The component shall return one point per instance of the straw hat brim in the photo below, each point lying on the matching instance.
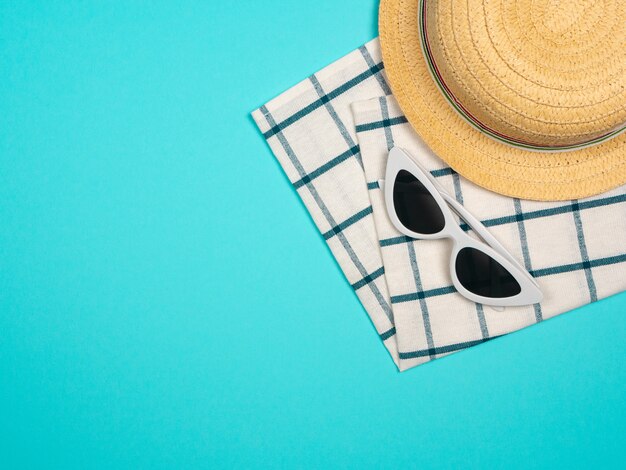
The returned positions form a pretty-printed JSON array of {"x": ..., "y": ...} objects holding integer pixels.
[{"x": 483, "y": 160}]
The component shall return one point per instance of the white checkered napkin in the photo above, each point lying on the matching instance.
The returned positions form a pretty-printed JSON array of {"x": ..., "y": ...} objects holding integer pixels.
[
  {"x": 576, "y": 249},
  {"x": 310, "y": 130}
]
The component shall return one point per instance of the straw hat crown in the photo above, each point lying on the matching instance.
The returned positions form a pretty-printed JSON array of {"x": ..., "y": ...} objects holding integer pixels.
[
  {"x": 526, "y": 98},
  {"x": 544, "y": 72}
]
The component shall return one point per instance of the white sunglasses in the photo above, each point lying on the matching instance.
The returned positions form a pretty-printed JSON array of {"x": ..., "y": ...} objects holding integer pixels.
[{"x": 483, "y": 272}]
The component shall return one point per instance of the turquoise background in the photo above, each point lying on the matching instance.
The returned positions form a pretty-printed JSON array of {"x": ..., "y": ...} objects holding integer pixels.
[{"x": 166, "y": 301}]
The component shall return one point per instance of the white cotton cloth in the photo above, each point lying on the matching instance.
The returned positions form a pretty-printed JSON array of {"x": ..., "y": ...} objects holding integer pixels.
[
  {"x": 331, "y": 134},
  {"x": 576, "y": 250}
]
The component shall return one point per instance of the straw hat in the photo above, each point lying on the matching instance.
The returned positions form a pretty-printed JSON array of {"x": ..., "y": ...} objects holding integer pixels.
[{"x": 523, "y": 97}]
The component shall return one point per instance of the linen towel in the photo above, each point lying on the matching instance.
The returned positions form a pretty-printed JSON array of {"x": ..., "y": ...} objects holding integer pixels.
[{"x": 575, "y": 249}]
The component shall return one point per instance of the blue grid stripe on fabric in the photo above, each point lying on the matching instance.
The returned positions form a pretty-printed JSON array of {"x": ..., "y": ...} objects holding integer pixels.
[
  {"x": 386, "y": 123},
  {"x": 326, "y": 166},
  {"x": 578, "y": 266},
  {"x": 480, "y": 311},
  {"x": 338, "y": 122},
  {"x": 423, "y": 294},
  {"x": 276, "y": 128},
  {"x": 509, "y": 219},
  {"x": 458, "y": 194},
  {"x": 423, "y": 305},
  {"x": 443, "y": 172},
  {"x": 580, "y": 234},
  {"x": 395, "y": 241},
  {"x": 521, "y": 228},
  {"x": 536, "y": 273},
  {"x": 369, "y": 278},
  {"x": 388, "y": 334},
  {"x": 369, "y": 60},
  {"x": 382, "y": 101},
  {"x": 329, "y": 218},
  {"x": 444, "y": 349},
  {"x": 373, "y": 185},
  {"x": 347, "y": 223}
]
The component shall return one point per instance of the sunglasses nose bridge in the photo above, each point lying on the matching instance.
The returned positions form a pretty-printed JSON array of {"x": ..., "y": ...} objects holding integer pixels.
[{"x": 452, "y": 229}]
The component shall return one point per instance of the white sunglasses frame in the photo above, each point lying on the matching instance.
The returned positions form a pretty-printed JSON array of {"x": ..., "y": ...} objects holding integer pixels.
[{"x": 530, "y": 293}]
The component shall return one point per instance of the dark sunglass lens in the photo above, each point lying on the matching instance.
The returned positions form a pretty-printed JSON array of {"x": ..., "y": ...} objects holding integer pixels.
[
  {"x": 482, "y": 275},
  {"x": 416, "y": 208}
]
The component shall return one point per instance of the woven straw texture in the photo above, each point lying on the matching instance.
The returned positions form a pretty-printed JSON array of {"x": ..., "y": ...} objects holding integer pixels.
[{"x": 546, "y": 74}]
